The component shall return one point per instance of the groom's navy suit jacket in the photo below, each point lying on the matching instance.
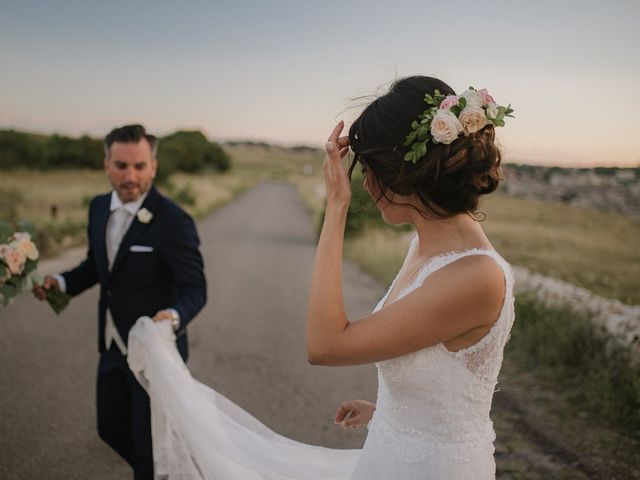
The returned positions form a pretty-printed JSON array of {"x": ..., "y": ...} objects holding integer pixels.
[{"x": 164, "y": 270}]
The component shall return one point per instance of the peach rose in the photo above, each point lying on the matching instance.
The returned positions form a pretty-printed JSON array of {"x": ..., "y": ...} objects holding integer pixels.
[
  {"x": 445, "y": 126},
  {"x": 14, "y": 259},
  {"x": 472, "y": 119},
  {"x": 23, "y": 243}
]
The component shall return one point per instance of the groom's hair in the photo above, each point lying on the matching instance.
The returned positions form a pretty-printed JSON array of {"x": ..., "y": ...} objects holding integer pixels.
[{"x": 129, "y": 134}]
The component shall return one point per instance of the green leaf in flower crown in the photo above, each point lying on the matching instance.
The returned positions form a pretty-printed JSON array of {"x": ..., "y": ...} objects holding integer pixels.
[
  {"x": 414, "y": 124},
  {"x": 410, "y": 138},
  {"x": 423, "y": 150},
  {"x": 429, "y": 99},
  {"x": 422, "y": 132},
  {"x": 462, "y": 102},
  {"x": 409, "y": 157}
]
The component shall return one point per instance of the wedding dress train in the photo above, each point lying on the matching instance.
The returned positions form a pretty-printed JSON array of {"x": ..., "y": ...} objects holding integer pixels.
[{"x": 431, "y": 420}]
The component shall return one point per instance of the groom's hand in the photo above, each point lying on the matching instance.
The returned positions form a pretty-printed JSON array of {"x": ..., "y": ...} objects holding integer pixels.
[
  {"x": 39, "y": 291},
  {"x": 168, "y": 314},
  {"x": 162, "y": 315}
]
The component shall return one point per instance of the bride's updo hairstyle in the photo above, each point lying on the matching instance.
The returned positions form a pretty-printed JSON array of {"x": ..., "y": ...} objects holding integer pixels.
[{"x": 449, "y": 179}]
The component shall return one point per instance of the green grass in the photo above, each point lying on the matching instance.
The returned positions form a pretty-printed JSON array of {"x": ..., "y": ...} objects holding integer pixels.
[{"x": 563, "y": 347}]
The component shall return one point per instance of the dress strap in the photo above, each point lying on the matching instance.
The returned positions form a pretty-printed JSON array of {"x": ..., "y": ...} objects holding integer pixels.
[{"x": 442, "y": 260}]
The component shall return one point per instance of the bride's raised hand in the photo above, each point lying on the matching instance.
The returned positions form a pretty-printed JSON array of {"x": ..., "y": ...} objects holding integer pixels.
[
  {"x": 354, "y": 413},
  {"x": 336, "y": 179}
]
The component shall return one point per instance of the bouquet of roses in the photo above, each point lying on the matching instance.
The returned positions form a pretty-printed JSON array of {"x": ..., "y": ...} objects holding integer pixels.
[{"x": 18, "y": 268}]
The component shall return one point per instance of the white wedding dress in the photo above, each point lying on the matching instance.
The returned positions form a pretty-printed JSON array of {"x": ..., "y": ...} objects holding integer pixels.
[{"x": 431, "y": 421}]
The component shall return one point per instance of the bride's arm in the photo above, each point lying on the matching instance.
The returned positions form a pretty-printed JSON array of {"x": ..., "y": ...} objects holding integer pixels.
[
  {"x": 326, "y": 318},
  {"x": 463, "y": 297}
]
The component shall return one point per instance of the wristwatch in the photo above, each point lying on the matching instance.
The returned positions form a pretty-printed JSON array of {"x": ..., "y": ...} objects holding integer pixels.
[{"x": 175, "y": 319}]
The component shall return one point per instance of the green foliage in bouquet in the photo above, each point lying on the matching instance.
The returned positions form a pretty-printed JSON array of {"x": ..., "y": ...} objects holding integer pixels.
[{"x": 18, "y": 266}]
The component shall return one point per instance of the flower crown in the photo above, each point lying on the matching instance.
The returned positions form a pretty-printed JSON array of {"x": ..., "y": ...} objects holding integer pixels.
[{"x": 449, "y": 116}]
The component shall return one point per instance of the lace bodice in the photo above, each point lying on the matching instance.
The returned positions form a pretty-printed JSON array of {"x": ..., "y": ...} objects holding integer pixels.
[{"x": 437, "y": 400}]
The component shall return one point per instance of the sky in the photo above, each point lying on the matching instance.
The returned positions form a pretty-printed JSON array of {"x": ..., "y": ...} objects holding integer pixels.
[{"x": 286, "y": 71}]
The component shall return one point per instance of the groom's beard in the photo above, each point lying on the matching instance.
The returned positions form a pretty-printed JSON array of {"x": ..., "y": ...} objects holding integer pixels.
[{"x": 130, "y": 192}]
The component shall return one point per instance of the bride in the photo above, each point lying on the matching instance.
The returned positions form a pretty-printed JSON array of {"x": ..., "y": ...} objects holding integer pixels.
[{"x": 437, "y": 336}]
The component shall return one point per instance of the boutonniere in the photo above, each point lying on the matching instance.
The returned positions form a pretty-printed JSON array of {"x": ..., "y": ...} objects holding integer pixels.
[{"x": 144, "y": 215}]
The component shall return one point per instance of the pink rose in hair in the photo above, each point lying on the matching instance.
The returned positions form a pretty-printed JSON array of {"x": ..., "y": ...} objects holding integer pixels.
[
  {"x": 448, "y": 102},
  {"x": 486, "y": 98}
]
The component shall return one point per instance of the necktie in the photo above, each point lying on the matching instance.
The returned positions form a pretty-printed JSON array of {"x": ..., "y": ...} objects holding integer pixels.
[{"x": 118, "y": 223}]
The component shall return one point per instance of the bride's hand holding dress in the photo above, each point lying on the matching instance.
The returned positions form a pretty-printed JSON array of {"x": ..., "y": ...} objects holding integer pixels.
[{"x": 355, "y": 413}]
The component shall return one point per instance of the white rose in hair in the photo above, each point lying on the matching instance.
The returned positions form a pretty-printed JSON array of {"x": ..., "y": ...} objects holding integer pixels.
[
  {"x": 492, "y": 111},
  {"x": 445, "y": 127},
  {"x": 472, "y": 119},
  {"x": 473, "y": 98}
]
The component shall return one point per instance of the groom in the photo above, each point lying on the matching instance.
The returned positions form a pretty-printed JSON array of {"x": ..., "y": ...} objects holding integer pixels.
[{"x": 143, "y": 250}]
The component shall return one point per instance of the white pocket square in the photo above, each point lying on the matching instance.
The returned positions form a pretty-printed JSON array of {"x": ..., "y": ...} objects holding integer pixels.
[{"x": 140, "y": 248}]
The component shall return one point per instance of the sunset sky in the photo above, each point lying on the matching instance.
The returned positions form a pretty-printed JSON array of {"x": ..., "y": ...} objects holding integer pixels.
[{"x": 286, "y": 71}]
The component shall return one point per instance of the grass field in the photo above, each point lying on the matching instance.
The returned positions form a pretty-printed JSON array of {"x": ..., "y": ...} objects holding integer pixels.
[
  {"x": 590, "y": 248},
  {"x": 593, "y": 249},
  {"x": 29, "y": 195}
]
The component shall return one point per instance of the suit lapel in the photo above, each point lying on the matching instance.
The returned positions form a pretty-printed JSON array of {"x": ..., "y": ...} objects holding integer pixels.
[
  {"x": 100, "y": 241},
  {"x": 135, "y": 229}
]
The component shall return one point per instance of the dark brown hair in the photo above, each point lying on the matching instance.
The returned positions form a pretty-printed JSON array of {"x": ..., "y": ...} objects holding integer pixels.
[
  {"x": 129, "y": 134},
  {"x": 449, "y": 179}
]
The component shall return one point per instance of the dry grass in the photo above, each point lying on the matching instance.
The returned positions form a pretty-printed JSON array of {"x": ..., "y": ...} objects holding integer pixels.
[
  {"x": 272, "y": 163},
  {"x": 29, "y": 195},
  {"x": 208, "y": 190},
  {"x": 379, "y": 251},
  {"x": 590, "y": 248}
]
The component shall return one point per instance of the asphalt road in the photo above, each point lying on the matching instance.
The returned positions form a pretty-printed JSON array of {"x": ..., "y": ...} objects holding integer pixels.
[{"x": 247, "y": 343}]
